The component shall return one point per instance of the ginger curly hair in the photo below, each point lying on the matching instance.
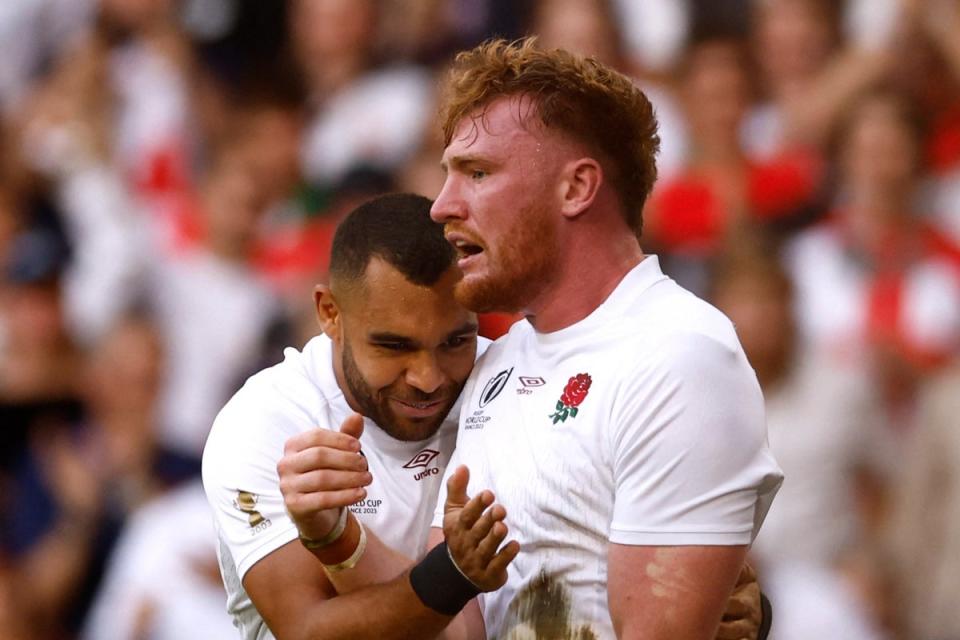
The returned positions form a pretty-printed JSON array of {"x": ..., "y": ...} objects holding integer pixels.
[{"x": 578, "y": 96}]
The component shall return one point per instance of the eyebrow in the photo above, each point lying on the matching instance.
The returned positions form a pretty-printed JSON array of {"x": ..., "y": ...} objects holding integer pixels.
[
  {"x": 461, "y": 160},
  {"x": 386, "y": 336}
]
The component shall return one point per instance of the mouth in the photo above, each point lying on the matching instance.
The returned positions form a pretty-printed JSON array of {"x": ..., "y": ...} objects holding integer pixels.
[
  {"x": 467, "y": 250},
  {"x": 411, "y": 409}
]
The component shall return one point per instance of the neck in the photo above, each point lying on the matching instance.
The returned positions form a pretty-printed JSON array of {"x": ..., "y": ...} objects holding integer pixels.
[{"x": 593, "y": 266}]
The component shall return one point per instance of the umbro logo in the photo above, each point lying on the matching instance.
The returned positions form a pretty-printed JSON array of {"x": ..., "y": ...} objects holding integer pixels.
[
  {"x": 529, "y": 383},
  {"x": 422, "y": 459}
]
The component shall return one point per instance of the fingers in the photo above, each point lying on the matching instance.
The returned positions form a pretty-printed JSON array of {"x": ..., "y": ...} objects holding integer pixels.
[
  {"x": 747, "y": 574},
  {"x": 323, "y": 438},
  {"x": 457, "y": 488},
  {"x": 353, "y": 426},
  {"x": 328, "y": 480},
  {"x": 736, "y": 630},
  {"x": 321, "y": 458},
  {"x": 470, "y": 514},
  {"x": 483, "y": 525},
  {"x": 490, "y": 542},
  {"x": 498, "y": 565},
  {"x": 474, "y": 535}
]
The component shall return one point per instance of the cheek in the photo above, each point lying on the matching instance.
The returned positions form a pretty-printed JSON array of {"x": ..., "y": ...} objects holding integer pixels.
[
  {"x": 457, "y": 366},
  {"x": 379, "y": 372}
]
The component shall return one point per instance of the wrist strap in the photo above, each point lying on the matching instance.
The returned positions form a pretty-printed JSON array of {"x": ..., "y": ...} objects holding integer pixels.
[
  {"x": 439, "y": 583},
  {"x": 331, "y": 537},
  {"x": 354, "y": 558}
]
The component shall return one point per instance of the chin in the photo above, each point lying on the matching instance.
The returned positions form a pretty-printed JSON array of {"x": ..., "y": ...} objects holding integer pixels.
[
  {"x": 485, "y": 295},
  {"x": 408, "y": 430}
]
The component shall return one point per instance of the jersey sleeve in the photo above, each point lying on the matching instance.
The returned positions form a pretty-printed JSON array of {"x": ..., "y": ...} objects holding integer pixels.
[
  {"x": 241, "y": 480},
  {"x": 689, "y": 446}
]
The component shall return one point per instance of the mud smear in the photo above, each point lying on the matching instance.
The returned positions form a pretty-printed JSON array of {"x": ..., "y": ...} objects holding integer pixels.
[{"x": 542, "y": 612}]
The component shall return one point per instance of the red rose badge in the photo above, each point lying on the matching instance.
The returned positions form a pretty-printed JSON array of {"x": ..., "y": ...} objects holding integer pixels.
[{"x": 573, "y": 394}]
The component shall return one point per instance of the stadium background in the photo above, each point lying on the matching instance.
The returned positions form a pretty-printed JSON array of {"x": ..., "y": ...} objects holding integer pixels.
[{"x": 171, "y": 172}]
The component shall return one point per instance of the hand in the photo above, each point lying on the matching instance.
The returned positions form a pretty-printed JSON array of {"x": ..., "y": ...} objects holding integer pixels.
[
  {"x": 322, "y": 471},
  {"x": 474, "y": 529},
  {"x": 742, "y": 617}
]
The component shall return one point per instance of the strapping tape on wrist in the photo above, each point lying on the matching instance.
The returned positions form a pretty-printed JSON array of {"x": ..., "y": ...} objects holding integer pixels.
[{"x": 440, "y": 584}]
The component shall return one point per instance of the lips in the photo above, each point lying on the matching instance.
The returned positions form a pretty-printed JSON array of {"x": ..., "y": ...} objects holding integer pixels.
[
  {"x": 468, "y": 248},
  {"x": 414, "y": 409}
]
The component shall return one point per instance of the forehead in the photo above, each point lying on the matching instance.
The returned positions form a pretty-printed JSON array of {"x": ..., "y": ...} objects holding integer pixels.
[
  {"x": 389, "y": 303},
  {"x": 502, "y": 127}
]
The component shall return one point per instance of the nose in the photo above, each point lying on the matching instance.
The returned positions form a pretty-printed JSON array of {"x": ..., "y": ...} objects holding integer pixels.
[
  {"x": 424, "y": 373},
  {"x": 448, "y": 205}
]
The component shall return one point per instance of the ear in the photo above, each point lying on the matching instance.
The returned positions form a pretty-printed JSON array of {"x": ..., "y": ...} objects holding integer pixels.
[
  {"x": 579, "y": 184},
  {"x": 328, "y": 312}
]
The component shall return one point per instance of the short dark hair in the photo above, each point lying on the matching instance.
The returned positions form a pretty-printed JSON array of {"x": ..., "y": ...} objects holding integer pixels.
[{"x": 397, "y": 229}]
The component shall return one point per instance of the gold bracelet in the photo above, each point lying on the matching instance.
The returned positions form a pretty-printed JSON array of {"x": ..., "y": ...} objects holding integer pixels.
[
  {"x": 352, "y": 561},
  {"x": 331, "y": 537}
]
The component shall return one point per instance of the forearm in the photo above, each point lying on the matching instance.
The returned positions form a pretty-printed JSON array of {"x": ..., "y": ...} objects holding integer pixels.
[
  {"x": 383, "y": 611},
  {"x": 378, "y": 565},
  {"x": 811, "y": 116},
  {"x": 670, "y": 593}
]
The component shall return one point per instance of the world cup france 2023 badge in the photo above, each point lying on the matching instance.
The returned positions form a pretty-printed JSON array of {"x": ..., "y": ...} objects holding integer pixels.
[{"x": 573, "y": 394}]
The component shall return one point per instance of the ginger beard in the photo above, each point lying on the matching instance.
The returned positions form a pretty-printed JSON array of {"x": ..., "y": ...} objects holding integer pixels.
[
  {"x": 517, "y": 269},
  {"x": 375, "y": 403}
]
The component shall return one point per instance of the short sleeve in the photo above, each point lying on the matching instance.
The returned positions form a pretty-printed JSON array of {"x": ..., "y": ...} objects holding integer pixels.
[
  {"x": 241, "y": 480},
  {"x": 689, "y": 445}
]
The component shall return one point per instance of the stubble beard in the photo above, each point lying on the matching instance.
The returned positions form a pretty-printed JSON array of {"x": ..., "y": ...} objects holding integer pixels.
[
  {"x": 375, "y": 407},
  {"x": 521, "y": 268}
]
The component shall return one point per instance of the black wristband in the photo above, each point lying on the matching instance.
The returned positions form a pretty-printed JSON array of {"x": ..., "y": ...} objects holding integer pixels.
[
  {"x": 766, "y": 617},
  {"x": 439, "y": 584}
]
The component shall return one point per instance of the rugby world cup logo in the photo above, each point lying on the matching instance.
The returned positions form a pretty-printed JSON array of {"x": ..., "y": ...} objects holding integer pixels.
[
  {"x": 573, "y": 394},
  {"x": 494, "y": 386}
]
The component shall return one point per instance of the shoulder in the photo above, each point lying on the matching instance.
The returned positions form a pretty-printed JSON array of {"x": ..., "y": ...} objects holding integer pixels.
[
  {"x": 273, "y": 405},
  {"x": 667, "y": 317}
]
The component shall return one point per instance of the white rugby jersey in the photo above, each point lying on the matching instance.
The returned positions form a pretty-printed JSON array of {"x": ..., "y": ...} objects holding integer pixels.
[
  {"x": 242, "y": 485},
  {"x": 642, "y": 424}
]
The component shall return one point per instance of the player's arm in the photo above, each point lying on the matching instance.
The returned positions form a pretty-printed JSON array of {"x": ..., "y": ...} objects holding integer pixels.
[
  {"x": 693, "y": 476},
  {"x": 290, "y": 590},
  {"x": 321, "y": 471},
  {"x": 670, "y": 593}
]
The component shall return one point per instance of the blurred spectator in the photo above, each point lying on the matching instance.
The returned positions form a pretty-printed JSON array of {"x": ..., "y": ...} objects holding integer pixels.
[
  {"x": 655, "y": 32},
  {"x": 877, "y": 286},
  {"x": 593, "y": 28},
  {"x": 213, "y": 309},
  {"x": 362, "y": 114},
  {"x": 926, "y": 517},
  {"x": 830, "y": 442},
  {"x": 163, "y": 582},
  {"x": 809, "y": 74},
  {"x": 80, "y": 472},
  {"x": 928, "y": 69},
  {"x": 38, "y": 362},
  {"x": 721, "y": 189},
  {"x": 34, "y": 32}
]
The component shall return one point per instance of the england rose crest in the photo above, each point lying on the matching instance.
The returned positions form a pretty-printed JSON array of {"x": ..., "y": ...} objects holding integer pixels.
[{"x": 573, "y": 394}]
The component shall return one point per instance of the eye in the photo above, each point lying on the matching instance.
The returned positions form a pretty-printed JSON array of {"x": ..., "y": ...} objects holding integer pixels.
[
  {"x": 478, "y": 174},
  {"x": 459, "y": 341},
  {"x": 393, "y": 346}
]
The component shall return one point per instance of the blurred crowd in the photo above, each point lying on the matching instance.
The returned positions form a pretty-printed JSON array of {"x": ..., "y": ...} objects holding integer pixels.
[{"x": 171, "y": 173}]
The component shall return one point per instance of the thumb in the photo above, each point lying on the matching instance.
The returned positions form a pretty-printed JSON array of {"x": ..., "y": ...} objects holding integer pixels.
[
  {"x": 457, "y": 487},
  {"x": 353, "y": 425}
]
